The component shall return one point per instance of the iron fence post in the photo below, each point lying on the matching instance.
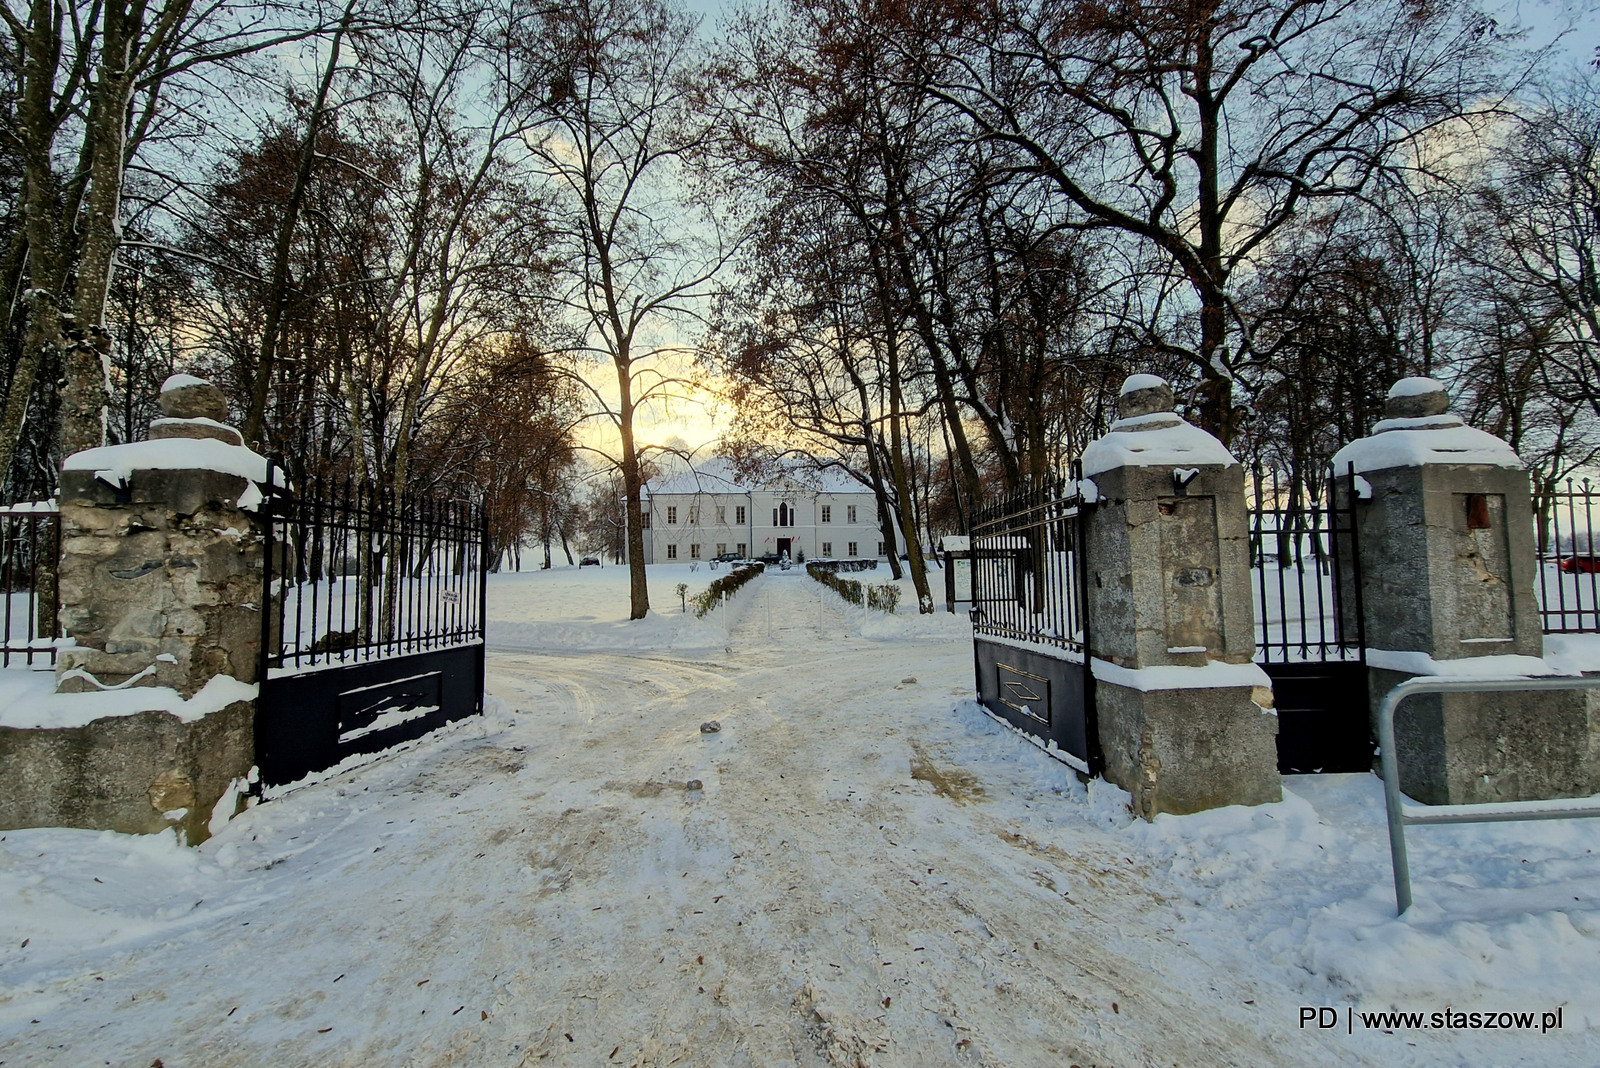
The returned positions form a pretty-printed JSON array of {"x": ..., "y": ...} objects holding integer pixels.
[{"x": 483, "y": 600}]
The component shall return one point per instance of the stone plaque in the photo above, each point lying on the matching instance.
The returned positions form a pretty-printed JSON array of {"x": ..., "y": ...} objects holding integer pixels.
[
  {"x": 1482, "y": 567},
  {"x": 1188, "y": 528}
]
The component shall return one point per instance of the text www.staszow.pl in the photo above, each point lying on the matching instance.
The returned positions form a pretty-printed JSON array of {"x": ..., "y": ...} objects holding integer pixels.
[{"x": 1324, "y": 1017}]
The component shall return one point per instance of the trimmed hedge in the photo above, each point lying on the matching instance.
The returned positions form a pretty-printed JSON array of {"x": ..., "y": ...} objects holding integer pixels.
[
  {"x": 883, "y": 598},
  {"x": 706, "y": 600},
  {"x": 863, "y": 563}
]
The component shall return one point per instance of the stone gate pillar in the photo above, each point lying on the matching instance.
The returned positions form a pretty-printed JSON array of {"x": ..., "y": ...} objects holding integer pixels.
[
  {"x": 1448, "y": 567},
  {"x": 161, "y": 553},
  {"x": 152, "y": 722},
  {"x": 1185, "y": 716}
]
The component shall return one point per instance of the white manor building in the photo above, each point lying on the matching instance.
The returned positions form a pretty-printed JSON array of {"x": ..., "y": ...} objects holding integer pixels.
[{"x": 706, "y": 512}]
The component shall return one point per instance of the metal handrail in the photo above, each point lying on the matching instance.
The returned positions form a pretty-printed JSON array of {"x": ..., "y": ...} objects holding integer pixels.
[{"x": 1485, "y": 812}]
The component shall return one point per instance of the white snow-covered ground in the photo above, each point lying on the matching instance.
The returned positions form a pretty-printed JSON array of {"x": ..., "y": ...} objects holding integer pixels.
[{"x": 871, "y": 872}]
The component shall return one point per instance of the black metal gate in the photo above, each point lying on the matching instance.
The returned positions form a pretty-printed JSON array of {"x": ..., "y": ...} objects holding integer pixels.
[
  {"x": 1030, "y": 631},
  {"x": 374, "y": 631},
  {"x": 1306, "y": 578},
  {"x": 30, "y": 553}
]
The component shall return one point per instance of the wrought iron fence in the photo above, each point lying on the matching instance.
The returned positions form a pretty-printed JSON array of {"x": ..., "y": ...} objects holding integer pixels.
[
  {"x": 1305, "y": 568},
  {"x": 1569, "y": 561},
  {"x": 1028, "y": 566},
  {"x": 30, "y": 541},
  {"x": 356, "y": 574}
]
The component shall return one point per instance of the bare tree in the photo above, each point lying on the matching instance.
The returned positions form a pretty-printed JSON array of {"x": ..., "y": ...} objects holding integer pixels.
[
  {"x": 1531, "y": 252},
  {"x": 1203, "y": 130},
  {"x": 615, "y": 121},
  {"x": 91, "y": 85}
]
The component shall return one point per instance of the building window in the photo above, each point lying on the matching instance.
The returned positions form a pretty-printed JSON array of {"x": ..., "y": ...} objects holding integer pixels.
[
  {"x": 672, "y": 552},
  {"x": 852, "y": 548},
  {"x": 694, "y": 551},
  {"x": 783, "y": 515},
  {"x": 827, "y": 513},
  {"x": 722, "y": 548},
  {"x": 827, "y": 548},
  {"x": 644, "y": 520},
  {"x": 738, "y": 514},
  {"x": 850, "y": 516},
  {"x": 741, "y": 544},
  {"x": 880, "y": 548},
  {"x": 694, "y": 516},
  {"x": 672, "y": 513},
  {"x": 775, "y": 518},
  {"x": 722, "y": 516}
]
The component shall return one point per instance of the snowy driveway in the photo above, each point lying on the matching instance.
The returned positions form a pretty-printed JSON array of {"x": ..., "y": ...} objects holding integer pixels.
[{"x": 872, "y": 873}]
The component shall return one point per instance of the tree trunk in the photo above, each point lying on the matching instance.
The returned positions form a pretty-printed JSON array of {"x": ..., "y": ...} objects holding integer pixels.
[
  {"x": 902, "y": 487},
  {"x": 632, "y": 490}
]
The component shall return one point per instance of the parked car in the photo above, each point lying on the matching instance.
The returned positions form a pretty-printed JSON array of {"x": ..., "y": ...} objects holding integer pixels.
[
  {"x": 1585, "y": 564},
  {"x": 589, "y": 561},
  {"x": 727, "y": 558}
]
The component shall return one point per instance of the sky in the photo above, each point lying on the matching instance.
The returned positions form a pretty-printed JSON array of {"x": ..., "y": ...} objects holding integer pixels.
[{"x": 1572, "y": 25}]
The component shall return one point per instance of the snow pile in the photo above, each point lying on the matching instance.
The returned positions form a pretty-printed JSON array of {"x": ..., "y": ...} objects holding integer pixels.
[
  {"x": 1155, "y": 440},
  {"x": 1497, "y": 666},
  {"x": 28, "y": 700},
  {"x": 1572, "y": 654},
  {"x": 115, "y": 464},
  {"x": 1430, "y": 439},
  {"x": 1300, "y": 895},
  {"x": 1505, "y": 916},
  {"x": 1214, "y": 674}
]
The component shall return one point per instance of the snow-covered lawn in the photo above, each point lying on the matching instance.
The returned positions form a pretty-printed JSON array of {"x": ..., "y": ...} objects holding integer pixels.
[{"x": 870, "y": 871}]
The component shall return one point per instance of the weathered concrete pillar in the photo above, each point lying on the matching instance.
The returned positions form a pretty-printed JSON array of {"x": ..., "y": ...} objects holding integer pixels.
[
  {"x": 1186, "y": 720},
  {"x": 152, "y": 722},
  {"x": 1448, "y": 567}
]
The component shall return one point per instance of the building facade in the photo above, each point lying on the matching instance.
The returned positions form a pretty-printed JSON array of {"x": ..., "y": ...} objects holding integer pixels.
[{"x": 707, "y": 512}]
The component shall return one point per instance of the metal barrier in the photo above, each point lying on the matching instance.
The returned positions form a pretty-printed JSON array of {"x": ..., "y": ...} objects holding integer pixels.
[{"x": 1491, "y": 812}]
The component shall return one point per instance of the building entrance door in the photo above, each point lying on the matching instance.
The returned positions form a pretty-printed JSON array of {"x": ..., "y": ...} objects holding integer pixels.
[{"x": 783, "y": 545}]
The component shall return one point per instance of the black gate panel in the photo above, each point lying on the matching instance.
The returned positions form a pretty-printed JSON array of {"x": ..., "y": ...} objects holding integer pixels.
[
  {"x": 1043, "y": 695},
  {"x": 318, "y": 718},
  {"x": 375, "y": 629},
  {"x": 1306, "y": 578},
  {"x": 1029, "y": 628},
  {"x": 1322, "y": 716}
]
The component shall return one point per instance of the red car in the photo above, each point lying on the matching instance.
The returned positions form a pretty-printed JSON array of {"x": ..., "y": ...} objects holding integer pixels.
[{"x": 1581, "y": 565}]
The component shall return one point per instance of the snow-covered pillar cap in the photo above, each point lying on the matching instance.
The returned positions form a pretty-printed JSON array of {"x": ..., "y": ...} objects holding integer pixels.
[
  {"x": 1143, "y": 395},
  {"x": 193, "y": 408},
  {"x": 1418, "y": 428},
  {"x": 1416, "y": 398}
]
